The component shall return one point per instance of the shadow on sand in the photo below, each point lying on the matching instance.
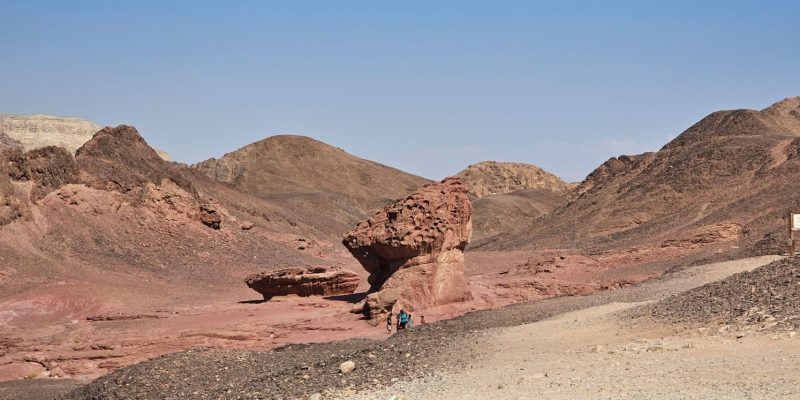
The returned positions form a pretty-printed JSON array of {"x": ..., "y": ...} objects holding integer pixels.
[
  {"x": 258, "y": 301},
  {"x": 350, "y": 298}
]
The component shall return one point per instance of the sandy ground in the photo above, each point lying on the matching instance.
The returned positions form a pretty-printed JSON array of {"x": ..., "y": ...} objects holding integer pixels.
[
  {"x": 598, "y": 353},
  {"x": 79, "y": 330}
]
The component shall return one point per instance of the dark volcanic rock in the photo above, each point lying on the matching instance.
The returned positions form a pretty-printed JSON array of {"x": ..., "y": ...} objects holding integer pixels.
[
  {"x": 307, "y": 281},
  {"x": 413, "y": 249},
  {"x": 119, "y": 159},
  {"x": 47, "y": 167}
]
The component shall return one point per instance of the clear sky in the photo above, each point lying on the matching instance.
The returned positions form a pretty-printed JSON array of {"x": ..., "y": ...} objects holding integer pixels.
[{"x": 428, "y": 87}]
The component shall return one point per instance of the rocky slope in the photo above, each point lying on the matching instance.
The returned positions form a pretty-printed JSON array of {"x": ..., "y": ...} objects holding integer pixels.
[
  {"x": 491, "y": 178},
  {"x": 308, "y": 176},
  {"x": 40, "y": 130},
  {"x": 767, "y": 298},
  {"x": 727, "y": 182},
  {"x": 117, "y": 203},
  {"x": 502, "y": 212},
  {"x": 115, "y": 231}
]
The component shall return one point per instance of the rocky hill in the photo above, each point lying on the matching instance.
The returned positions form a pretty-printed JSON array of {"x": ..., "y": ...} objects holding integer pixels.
[
  {"x": 40, "y": 130},
  {"x": 116, "y": 213},
  {"x": 727, "y": 182},
  {"x": 488, "y": 178},
  {"x": 330, "y": 188}
]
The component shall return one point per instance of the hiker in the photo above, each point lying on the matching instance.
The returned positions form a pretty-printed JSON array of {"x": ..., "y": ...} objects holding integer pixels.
[
  {"x": 389, "y": 324},
  {"x": 402, "y": 319},
  {"x": 410, "y": 320},
  {"x": 422, "y": 320}
]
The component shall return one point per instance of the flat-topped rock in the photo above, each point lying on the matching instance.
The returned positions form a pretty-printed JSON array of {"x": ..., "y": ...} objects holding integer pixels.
[{"x": 303, "y": 281}]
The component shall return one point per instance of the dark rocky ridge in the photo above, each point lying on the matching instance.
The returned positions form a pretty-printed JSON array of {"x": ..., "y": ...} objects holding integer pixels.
[{"x": 119, "y": 159}]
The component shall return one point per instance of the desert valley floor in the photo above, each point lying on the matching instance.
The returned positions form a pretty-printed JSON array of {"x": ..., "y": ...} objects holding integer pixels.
[{"x": 269, "y": 272}]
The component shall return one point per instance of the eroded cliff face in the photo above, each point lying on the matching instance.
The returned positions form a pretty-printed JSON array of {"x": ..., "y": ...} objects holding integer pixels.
[
  {"x": 413, "y": 249},
  {"x": 491, "y": 178}
]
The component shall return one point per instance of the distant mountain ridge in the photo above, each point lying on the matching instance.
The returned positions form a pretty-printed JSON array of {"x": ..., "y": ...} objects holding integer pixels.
[
  {"x": 727, "y": 181},
  {"x": 42, "y": 130}
]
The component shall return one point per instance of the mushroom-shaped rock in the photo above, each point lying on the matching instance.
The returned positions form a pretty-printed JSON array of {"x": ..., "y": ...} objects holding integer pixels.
[
  {"x": 303, "y": 281},
  {"x": 413, "y": 249}
]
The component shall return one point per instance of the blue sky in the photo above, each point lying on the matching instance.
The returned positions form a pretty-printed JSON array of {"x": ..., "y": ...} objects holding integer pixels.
[{"x": 428, "y": 87}]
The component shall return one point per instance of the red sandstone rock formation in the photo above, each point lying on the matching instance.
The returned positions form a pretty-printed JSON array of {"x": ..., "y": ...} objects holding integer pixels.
[
  {"x": 308, "y": 281},
  {"x": 413, "y": 249}
]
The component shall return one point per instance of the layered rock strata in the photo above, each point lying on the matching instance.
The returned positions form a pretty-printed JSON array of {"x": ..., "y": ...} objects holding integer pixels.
[{"x": 303, "y": 281}]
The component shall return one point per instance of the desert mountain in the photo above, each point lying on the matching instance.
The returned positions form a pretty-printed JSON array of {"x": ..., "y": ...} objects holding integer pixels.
[
  {"x": 309, "y": 176},
  {"x": 117, "y": 215},
  {"x": 505, "y": 193},
  {"x": 726, "y": 182},
  {"x": 117, "y": 233},
  {"x": 41, "y": 130}
]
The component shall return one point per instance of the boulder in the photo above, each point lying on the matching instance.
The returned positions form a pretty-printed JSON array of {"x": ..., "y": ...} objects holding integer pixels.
[
  {"x": 303, "y": 281},
  {"x": 347, "y": 366},
  {"x": 210, "y": 217},
  {"x": 413, "y": 249}
]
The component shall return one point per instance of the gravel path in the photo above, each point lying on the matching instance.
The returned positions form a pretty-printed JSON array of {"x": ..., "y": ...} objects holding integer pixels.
[
  {"x": 767, "y": 298},
  {"x": 598, "y": 352},
  {"x": 36, "y": 389}
]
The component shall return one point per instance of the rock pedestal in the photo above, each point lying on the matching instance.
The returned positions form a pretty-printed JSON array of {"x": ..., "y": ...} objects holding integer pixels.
[{"x": 413, "y": 249}]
